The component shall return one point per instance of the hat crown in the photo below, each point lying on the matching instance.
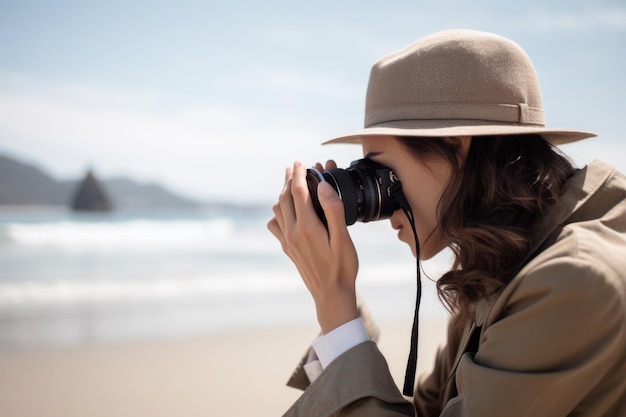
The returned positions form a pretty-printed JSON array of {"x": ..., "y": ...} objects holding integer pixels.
[{"x": 455, "y": 75}]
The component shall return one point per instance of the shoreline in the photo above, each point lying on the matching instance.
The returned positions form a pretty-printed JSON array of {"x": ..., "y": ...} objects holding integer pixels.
[{"x": 235, "y": 373}]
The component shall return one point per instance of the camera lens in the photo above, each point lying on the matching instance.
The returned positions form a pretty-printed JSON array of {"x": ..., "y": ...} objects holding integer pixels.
[{"x": 364, "y": 188}]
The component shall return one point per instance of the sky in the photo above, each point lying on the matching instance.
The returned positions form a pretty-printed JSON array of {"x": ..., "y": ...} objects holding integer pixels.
[{"x": 215, "y": 99}]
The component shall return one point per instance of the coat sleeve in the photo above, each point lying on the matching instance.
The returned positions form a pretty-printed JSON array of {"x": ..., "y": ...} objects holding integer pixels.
[
  {"x": 559, "y": 333},
  {"x": 357, "y": 383}
]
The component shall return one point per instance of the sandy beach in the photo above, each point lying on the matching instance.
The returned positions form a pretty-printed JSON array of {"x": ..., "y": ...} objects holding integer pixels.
[
  {"x": 229, "y": 374},
  {"x": 177, "y": 315}
]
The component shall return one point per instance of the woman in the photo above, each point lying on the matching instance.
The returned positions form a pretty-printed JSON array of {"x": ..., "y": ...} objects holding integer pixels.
[{"x": 537, "y": 289}]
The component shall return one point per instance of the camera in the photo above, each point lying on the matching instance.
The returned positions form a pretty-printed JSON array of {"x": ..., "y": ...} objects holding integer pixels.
[{"x": 366, "y": 189}]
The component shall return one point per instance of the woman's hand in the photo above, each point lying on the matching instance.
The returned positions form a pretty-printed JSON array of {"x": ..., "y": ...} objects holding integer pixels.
[{"x": 326, "y": 259}]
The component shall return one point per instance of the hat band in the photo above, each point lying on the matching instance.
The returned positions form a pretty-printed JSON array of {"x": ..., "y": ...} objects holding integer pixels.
[{"x": 509, "y": 113}]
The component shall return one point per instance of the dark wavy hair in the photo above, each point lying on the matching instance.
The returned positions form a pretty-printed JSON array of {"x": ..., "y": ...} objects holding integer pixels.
[{"x": 488, "y": 207}]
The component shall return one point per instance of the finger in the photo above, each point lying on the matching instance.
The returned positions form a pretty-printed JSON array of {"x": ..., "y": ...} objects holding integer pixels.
[
  {"x": 274, "y": 227},
  {"x": 330, "y": 164},
  {"x": 284, "y": 210},
  {"x": 278, "y": 216},
  {"x": 319, "y": 167},
  {"x": 334, "y": 211},
  {"x": 300, "y": 193},
  {"x": 284, "y": 207}
]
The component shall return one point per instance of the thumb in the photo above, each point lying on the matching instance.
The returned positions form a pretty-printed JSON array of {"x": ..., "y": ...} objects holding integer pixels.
[{"x": 332, "y": 206}]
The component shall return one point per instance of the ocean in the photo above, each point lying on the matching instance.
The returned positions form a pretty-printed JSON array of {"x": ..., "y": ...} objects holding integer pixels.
[{"x": 69, "y": 279}]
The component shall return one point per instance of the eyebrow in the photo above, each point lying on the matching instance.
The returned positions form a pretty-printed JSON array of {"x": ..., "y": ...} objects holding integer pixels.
[{"x": 370, "y": 154}]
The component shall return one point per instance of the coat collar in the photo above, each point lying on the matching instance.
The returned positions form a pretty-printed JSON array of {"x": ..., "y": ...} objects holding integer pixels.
[{"x": 577, "y": 191}]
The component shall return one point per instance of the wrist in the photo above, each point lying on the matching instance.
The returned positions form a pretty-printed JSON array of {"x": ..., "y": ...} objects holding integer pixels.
[{"x": 333, "y": 312}]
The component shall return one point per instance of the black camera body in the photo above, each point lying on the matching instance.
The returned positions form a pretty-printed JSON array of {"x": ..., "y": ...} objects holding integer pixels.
[{"x": 366, "y": 189}]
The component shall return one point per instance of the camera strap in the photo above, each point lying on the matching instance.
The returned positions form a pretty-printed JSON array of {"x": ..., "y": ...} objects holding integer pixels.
[{"x": 395, "y": 191}]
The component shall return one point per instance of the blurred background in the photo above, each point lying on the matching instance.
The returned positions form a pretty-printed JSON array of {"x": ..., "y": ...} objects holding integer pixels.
[{"x": 168, "y": 126}]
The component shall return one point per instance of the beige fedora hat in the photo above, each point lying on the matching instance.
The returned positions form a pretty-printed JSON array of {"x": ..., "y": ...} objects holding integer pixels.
[{"x": 456, "y": 83}]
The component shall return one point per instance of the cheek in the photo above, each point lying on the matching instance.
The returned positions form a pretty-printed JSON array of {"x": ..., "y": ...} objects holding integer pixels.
[
  {"x": 423, "y": 193},
  {"x": 422, "y": 186},
  {"x": 416, "y": 192}
]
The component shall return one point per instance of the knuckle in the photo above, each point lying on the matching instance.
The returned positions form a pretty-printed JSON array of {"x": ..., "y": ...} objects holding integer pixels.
[
  {"x": 274, "y": 226},
  {"x": 283, "y": 197},
  {"x": 299, "y": 192},
  {"x": 304, "y": 230},
  {"x": 292, "y": 237},
  {"x": 285, "y": 248}
]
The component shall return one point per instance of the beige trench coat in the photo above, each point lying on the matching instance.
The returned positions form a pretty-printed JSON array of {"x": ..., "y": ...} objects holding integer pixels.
[{"x": 552, "y": 343}]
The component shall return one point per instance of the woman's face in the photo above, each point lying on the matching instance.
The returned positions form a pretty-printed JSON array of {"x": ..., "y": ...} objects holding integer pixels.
[{"x": 423, "y": 181}]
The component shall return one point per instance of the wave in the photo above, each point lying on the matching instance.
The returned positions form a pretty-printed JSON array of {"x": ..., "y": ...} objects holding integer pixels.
[
  {"x": 74, "y": 261},
  {"x": 135, "y": 235},
  {"x": 73, "y": 280},
  {"x": 236, "y": 284},
  {"x": 74, "y": 291}
]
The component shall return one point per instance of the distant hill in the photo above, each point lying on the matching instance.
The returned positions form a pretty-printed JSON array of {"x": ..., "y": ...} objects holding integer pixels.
[
  {"x": 24, "y": 184},
  {"x": 127, "y": 193}
]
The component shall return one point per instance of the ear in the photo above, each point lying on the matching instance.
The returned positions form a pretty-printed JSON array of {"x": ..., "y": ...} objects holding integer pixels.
[{"x": 462, "y": 145}]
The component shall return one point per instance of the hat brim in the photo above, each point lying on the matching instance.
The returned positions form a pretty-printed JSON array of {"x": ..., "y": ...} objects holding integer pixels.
[{"x": 449, "y": 128}]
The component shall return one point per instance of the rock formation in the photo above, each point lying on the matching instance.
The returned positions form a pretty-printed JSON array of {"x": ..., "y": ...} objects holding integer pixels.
[{"x": 90, "y": 195}]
